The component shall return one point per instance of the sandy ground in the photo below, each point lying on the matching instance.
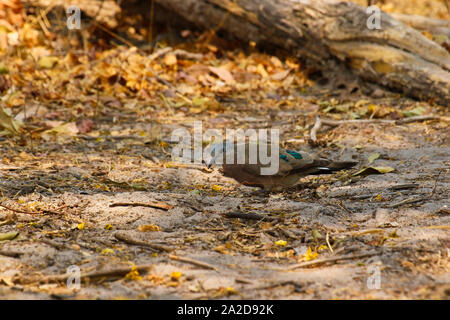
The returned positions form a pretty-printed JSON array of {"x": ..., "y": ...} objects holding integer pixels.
[{"x": 393, "y": 227}]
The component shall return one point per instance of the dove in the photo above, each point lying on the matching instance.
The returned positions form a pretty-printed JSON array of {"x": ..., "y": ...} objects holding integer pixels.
[{"x": 292, "y": 165}]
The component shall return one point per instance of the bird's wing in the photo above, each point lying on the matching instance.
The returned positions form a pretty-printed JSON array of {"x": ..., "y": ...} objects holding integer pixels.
[
  {"x": 289, "y": 162},
  {"x": 295, "y": 161}
]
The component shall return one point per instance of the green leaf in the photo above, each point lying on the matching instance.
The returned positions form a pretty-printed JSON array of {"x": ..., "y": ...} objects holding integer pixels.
[{"x": 8, "y": 235}]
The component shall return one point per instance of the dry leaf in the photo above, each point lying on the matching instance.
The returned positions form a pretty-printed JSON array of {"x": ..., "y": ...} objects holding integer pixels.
[
  {"x": 149, "y": 227},
  {"x": 48, "y": 62},
  {"x": 280, "y": 75},
  {"x": 8, "y": 235},
  {"x": 170, "y": 59},
  {"x": 223, "y": 74},
  {"x": 373, "y": 170},
  {"x": 7, "y": 122},
  {"x": 373, "y": 157}
]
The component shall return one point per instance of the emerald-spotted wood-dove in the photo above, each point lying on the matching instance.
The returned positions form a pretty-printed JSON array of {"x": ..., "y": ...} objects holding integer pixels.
[{"x": 292, "y": 165}]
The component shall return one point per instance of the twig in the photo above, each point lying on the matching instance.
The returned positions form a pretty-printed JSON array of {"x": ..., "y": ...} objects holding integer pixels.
[
  {"x": 335, "y": 123},
  {"x": 115, "y": 35},
  {"x": 404, "y": 186},
  {"x": 182, "y": 54},
  {"x": 6, "y": 222},
  {"x": 117, "y": 272},
  {"x": 280, "y": 284},
  {"x": 18, "y": 210},
  {"x": 31, "y": 212},
  {"x": 419, "y": 118},
  {"x": 156, "y": 205},
  {"x": 124, "y": 137},
  {"x": 167, "y": 83},
  {"x": 159, "y": 53},
  {"x": 333, "y": 259},
  {"x": 179, "y": 53},
  {"x": 249, "y": 216},
  {"x": 359, "y": 232},
  {"x": 407, "y": 201},
  {"x": 194, "y": 262},
  {"x": 313, "y": 134},
  {"x": 12, "y": 254},
  {"x": 127, "y": 239},
  {"x": 327, "y": 239},
  {"x": 435, "y": 183}
]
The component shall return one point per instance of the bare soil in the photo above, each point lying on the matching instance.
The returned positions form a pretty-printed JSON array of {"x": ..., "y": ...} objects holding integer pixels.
[{"x": 64, "y": 191}]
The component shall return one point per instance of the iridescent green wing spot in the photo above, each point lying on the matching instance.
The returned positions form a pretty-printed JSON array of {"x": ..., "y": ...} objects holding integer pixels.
[
  {"x": 296, "y": 155},
  {"x": 282, "y": 156}
]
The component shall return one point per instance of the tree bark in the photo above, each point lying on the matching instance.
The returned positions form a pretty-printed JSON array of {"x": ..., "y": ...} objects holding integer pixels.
[
  {"x": 332, "y": 34},
  {"x": 431, "y": 25}
]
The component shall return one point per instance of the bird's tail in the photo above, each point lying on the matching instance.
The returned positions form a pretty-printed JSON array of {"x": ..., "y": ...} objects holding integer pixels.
[{"x": 326, "y": 166}]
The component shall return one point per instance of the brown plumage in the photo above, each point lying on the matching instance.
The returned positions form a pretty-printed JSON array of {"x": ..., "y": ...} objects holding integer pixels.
[{"x": 292, "y": 166}]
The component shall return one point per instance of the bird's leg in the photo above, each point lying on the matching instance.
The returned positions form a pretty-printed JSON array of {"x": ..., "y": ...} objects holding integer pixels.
[{"x": 260, "y": 193}]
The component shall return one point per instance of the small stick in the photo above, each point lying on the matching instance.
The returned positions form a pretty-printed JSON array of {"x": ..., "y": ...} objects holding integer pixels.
[
  {"x": 418, "y": 118},
  {"x": 313, "y": 134},
  {"x": 117, "y": 272},
  {"x": 333, "y": 259},
  {"x": 123, "y": 137},
  {"x": 407, "y": 201},
  {"x": 334, "y": 123},
  {"x": 127, "y": 239},
  {"x": 18, "y": 210},
  {"x": 327, "y": 239},
  {"x": 156, "y": 205},
  {"x": 182, "y": 54},
  {"x": 179, "y": 53},
  {"x": 194, "y": 262},
  {"x": 159, "y": 53},
  {"x": 249, "y": 216},
  {"x": 359, "y": 232},
  {"x": 404, "y": 186},
  {"x": 12, "y": 254},
  {"x": 435, "y": 183},
  {"x": 30, "y": 212}
]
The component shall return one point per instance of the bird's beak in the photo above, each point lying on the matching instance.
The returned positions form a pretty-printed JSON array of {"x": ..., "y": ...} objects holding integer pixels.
[{"x": 208, "y": 164}]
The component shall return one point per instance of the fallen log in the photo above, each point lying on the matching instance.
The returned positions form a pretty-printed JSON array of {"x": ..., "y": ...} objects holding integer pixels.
[
  {"x": 431, "y": 25},
  {"x": 332, "y": 34}
]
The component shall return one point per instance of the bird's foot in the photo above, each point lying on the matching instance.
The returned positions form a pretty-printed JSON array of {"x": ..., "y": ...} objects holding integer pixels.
[{"x": 260, "y": 193}]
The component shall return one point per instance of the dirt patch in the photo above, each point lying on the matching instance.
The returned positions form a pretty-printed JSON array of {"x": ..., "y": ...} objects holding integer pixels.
[{"x": 407, "y": 242}]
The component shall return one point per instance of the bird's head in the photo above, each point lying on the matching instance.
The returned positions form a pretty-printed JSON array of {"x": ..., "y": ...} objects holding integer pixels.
[{"x": 216, "y": 152}]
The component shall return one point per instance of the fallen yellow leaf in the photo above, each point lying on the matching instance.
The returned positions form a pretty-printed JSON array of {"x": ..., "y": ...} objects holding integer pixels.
[
  {"x": 310, "y": 255},
  {"x": 175, "y": 276},
  {"x": 281, "y": 243}
]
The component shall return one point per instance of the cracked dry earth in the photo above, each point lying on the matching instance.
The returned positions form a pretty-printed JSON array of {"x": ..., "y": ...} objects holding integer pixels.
[{"x": 395, "y": 225}]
